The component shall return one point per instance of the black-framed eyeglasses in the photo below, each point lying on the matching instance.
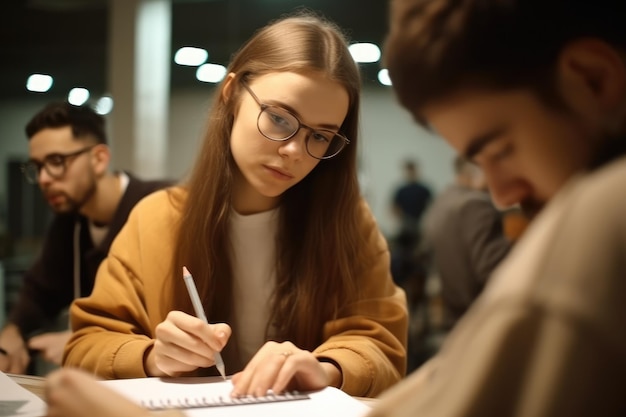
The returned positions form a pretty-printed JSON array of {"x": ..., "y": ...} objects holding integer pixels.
[
  {"x": 279, "y": 125},
  {"x": 55, "y": 165}
]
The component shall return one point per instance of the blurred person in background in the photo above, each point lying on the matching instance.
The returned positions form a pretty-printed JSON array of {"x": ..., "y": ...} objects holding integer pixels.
[
  {"x": 408, "y": 205},
  {"x": 464, "y": 234},
  {"x": 410, "y": 200}
]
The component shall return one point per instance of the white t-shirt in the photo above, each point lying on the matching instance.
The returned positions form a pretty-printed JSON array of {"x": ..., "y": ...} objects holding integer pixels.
[{"x": 253, "y": 259}]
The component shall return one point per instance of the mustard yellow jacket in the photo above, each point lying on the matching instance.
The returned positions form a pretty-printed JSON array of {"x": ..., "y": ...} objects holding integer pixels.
[{"x": 114, "y": 327}]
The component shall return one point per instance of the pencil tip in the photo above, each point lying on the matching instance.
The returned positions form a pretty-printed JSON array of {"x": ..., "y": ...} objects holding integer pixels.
[{"x": 185, "y": 270}]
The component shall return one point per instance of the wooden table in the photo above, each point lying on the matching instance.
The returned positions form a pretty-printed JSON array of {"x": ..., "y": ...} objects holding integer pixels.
[{"x": 34, "y": 384}]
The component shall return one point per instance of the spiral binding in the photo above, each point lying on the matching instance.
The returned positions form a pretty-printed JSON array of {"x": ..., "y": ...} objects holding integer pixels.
[{"x": 219, "y": 401}]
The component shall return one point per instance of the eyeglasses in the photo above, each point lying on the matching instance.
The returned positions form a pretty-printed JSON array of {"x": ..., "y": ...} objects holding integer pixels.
[
  {"x": 279, "y": 125},
  {"x": 55, "y": 165}
]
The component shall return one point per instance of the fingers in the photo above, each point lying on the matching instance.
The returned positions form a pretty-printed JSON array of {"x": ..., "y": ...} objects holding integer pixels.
[
  {"x": 18, "y": 364},
  {"x": 292, "y": 363},
  {"x": 51, "y": 345},
  {"x": 15, "y": 358},
  {"x": 14, "y": 362},
  {"x": 5, "y": 362},
  {"x": 257, "y": 380},
  {"x": 74, "y": 393},
  {"x": 279, "y": 367},
  {"x": 37, "y": 342},
  {"x": 184, "y": 343},
  {"x": 301, "y": 371},
  {"x": 214, "y": 336},
  {"x": 63, "y": 392},
  {"x": 222, "y": 332}
]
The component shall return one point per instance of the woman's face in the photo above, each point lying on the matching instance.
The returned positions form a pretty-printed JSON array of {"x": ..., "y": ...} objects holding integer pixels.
[{"x": 268, "y": 168}]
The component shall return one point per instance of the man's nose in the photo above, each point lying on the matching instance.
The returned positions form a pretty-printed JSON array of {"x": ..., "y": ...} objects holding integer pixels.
[
  {"x": 508, "y": 192},
  {"x": 43, "y": 178}
]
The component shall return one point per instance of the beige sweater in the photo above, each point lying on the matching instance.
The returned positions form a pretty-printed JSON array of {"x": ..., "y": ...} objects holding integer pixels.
[{"x": 548, "y": 336}]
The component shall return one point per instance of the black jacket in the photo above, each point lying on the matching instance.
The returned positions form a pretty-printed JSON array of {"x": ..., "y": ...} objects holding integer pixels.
[{"x": 48, "y": 286}]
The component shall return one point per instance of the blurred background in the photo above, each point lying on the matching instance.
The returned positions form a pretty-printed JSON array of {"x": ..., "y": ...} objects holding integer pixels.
[
  {"x": 120, "y": 56},
  {"x": 69, "y": 39}
]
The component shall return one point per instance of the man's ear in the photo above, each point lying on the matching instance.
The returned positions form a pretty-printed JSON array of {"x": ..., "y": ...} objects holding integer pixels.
[
  {"x": 592, "y": 73},
  {"x": 227, "y": 89},
  {"x": 101, "y": 156}
]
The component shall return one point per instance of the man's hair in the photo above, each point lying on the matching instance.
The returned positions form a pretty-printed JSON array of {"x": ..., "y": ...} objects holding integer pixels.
[
  {"x": 437, "y": 47},
  {"x": 84, "y": 121}
]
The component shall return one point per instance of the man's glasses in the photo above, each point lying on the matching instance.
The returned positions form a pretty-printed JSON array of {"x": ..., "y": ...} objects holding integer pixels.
[
  {"x": 278, "y": 124},
  {"x": 55, "y": 165}
]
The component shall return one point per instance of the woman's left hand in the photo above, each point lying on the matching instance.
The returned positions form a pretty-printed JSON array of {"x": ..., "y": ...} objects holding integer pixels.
[{"x": 283, "y": 367}]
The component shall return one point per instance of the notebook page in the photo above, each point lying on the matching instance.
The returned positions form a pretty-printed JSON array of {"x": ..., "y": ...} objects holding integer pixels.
[{"x": 329, "y": 402}]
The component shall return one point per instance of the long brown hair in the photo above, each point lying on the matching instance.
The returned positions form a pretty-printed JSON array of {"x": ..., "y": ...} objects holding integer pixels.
[{"x": 318, "y": 242}]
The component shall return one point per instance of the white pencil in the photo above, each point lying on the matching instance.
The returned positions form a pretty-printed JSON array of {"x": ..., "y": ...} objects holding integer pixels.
[{"x": 197, "y": 306}]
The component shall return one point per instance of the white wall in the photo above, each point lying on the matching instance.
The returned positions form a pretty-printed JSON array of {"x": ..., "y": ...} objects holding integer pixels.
[{"x": 389, "y": 136}]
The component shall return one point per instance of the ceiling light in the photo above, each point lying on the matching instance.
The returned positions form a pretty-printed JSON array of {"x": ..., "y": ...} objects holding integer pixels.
[
  {"x": 211, "y": 73},
  {"x": 364, "y": 52},
  {"x": 78, "y": 96},
  {"x": 39, "y": 83},
  {"x": 191, "y": 56},
  {"x": 104, "y": 105},
  {"x": 383, "y": 77}
]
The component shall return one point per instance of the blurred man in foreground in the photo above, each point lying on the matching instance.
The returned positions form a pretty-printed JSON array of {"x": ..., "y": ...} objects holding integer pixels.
[{"x": 534, "y": 92}]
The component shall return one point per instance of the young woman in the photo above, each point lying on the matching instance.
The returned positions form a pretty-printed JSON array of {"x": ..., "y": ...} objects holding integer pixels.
[{"x": 291, "y": 268}]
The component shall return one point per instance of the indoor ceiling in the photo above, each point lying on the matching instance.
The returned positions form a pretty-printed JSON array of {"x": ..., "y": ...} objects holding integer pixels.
[{"x": 68, "y": 38}]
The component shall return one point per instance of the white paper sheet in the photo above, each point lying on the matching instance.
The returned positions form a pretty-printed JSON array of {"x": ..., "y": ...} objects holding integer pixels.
[
  {"x": 16, "y": 401},
  {"x": 329, "y": 402}
]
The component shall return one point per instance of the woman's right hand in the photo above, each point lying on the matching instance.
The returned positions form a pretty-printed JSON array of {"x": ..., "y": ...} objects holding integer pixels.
[{"x": 185, "y": 343}]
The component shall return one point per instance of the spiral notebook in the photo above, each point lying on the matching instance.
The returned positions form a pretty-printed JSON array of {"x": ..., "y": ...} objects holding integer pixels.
[{"x": 210, "y": 396}]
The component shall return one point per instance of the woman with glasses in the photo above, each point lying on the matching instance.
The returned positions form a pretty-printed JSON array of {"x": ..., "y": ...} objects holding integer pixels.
[{"x": 292, "y": 271}]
